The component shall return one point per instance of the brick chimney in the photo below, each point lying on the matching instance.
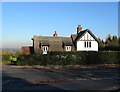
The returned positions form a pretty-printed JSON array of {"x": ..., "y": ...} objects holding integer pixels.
[
  {"x": 79, "y": 29},
  {"x": 55, "y": 34}
]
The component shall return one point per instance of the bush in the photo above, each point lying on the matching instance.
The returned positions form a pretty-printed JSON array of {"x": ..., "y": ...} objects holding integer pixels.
[
  {"x": 71, "y": 58},
  {"x": 110, "y": 48},
  {"x": 6, "y": 57}
]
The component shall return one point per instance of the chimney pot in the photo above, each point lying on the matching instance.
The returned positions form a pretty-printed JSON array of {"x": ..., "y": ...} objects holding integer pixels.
[{"x": 55, "y": 34}]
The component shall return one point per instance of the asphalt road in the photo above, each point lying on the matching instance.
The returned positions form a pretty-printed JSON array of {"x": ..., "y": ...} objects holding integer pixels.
[{"x": 99, "y": 78}]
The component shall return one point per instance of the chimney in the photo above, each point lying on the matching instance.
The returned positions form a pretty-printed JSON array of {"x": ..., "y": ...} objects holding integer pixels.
[
  {"x": 55, "y": 34},
  {"x": 79, "y": 29}
]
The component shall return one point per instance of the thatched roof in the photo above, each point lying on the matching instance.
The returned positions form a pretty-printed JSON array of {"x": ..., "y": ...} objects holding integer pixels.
[
  {"x": 44, "y": 42},
  {"x": 55, "y": 43}
]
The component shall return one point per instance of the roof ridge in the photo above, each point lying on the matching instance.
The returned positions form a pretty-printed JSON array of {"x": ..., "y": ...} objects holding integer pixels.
[{"x": 52, "y": 36}]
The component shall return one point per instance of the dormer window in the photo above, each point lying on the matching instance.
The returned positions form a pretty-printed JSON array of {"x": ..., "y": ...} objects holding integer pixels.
[
  {"x": 45, "y": 49},
  {"x": 68, "y": 48}
]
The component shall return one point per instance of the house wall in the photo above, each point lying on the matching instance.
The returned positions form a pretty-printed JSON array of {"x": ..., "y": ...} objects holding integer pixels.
[
  {"x": 87, "y": 38},
  {"x": 80, "y": 46},
  {"x": 27, "y": 50}
]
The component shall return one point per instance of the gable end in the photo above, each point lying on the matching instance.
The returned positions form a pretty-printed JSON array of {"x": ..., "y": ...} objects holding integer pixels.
[{"x": 80, "y": 35}]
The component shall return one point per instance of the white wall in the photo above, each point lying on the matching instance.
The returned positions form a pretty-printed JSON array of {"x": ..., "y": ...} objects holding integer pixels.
[
  {"x": 80, "y": 46},
  {"x": 87, "y": 37}
]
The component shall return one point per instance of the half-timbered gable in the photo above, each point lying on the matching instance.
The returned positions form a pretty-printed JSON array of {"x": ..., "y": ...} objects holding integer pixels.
[{"x": 86, "y": 41}]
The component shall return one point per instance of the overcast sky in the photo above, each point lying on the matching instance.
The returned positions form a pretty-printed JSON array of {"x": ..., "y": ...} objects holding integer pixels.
[{"x": 22, "y": 20}]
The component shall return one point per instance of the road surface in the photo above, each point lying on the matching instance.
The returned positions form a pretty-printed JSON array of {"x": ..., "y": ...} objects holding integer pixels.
[{"x": 99, "y": 78}]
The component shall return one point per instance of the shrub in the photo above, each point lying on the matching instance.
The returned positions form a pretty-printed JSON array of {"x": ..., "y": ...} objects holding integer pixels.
[
  {"x": 6, "y": 57},
  {"x": 71, "y": 58}
]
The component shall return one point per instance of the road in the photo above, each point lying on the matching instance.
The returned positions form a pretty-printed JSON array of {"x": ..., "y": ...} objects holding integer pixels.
[{"x": 99, "y": 78}]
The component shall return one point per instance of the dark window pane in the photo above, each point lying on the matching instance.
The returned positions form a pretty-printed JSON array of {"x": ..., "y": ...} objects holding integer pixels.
[
  {"x": 84, "y": 44},
  {"x": 89, "y": 44},
  {"x": 44, "y": 48}
]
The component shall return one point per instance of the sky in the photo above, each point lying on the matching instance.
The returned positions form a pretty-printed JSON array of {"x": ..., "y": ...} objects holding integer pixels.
[
  {"x": 0, "y": 26},
  {"x": 22, "y": 20}
]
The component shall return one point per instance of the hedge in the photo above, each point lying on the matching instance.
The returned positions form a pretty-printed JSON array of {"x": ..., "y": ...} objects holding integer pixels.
[{"x": 71, "y": 58}]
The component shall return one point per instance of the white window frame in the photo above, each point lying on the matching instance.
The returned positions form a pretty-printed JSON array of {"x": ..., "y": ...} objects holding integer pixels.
[
  {"x": 68, "y": 48},
  {"x": 45, "y": 49}
]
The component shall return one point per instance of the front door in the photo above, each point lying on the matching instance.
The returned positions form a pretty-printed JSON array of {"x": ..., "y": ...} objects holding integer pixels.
[{"x": 45, "y": 49}]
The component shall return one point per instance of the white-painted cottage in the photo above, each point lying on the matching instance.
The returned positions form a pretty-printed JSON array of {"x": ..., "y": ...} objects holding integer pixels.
[{"x": 82, "y": 41}]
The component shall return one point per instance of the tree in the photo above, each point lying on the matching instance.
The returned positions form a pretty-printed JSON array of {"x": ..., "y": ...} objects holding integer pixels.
[
  {"x": 109, "y": 38},
  {"x": 101, "y": 44},
  {"x": 119, "y": 40},
  {"x": 115, "y": 38}
]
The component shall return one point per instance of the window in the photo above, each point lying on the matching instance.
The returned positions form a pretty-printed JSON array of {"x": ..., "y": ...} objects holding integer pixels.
[
  {"x": 68, "y": 48},
  {"x": 45, "y": 49},
  {"x": 87, "y": 44}
]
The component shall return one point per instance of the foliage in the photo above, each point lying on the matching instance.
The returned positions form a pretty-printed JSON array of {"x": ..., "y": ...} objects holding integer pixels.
[
  {"x": 115, "y": 38},
  {"x": 119, "y": 40},
  {"x": 111, "y": 43},
  {"x": 6, "y": 57},
  {"x": 71, "y": 58},
  {"x": 101, "y": 45},
  {"x": 6, "y": 62},
  {"x": 109, "y": 38}
]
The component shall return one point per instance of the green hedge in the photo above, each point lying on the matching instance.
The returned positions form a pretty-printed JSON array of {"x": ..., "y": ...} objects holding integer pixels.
[{"x": 71, "y": 58}]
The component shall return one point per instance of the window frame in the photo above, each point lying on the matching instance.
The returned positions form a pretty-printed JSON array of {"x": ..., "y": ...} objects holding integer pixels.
[
  {"x": 44, "y": 48},
  {"x": 68, "y": 48},
  {"x": 87, "y": 44}
]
